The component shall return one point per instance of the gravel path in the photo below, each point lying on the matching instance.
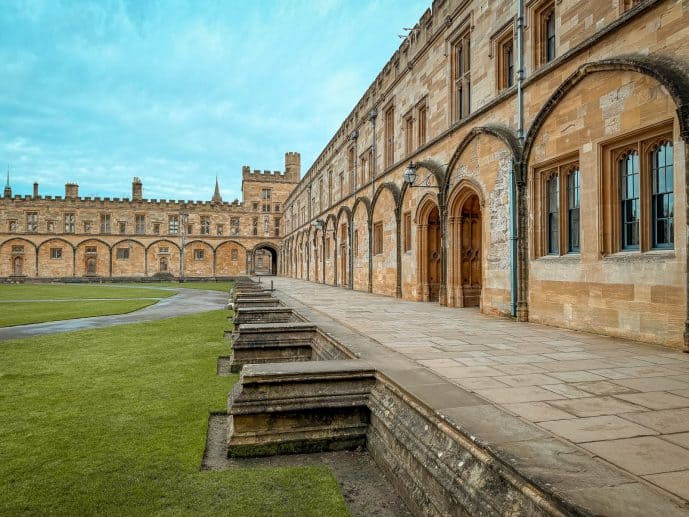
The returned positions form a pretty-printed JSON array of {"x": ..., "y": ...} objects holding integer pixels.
[{"x": 186, "y": 301}]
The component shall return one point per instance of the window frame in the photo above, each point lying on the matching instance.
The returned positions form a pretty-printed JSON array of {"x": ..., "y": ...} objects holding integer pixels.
[
  {"x": 409, "y": 132},
  {"x": 56, "y": 253},
  {"x": 70, "y": 219},
  {"x": 421, "y": 122},
  {"x": 505, "y": 39},
  {"x": 559, "y": 169},
  {"x": 140, "y": 224},
  {"x": 378, "y": 246},
  {"x": 540, "y": 13},
  {"x": 460, "y": 74},
  {"x": 389, "y": 135},
  {"x": 643, "y": 142}
]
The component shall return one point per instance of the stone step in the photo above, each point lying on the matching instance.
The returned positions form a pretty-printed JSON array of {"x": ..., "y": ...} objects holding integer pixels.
[
  {"x": 299, "y": 407},
  {"x": 249, "y": 315}
]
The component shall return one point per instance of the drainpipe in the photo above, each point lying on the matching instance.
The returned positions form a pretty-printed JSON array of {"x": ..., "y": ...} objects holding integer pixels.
[
  {"x": 513, "y": 241},
  {"x": 520, "y": 136}
]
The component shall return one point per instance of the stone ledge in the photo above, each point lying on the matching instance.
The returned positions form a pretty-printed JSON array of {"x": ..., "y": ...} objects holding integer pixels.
[{"x": 298, "y": 407}]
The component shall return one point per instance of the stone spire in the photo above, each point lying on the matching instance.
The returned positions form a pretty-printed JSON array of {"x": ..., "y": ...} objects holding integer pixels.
[
  {"x": 217, "y": 198},
  {"x": 8, "y": 190}
]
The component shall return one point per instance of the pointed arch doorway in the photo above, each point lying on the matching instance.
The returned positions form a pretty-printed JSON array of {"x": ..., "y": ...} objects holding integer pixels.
[
  {"x": 466, "y": 275},
  {"x": 428, "y": 231}
]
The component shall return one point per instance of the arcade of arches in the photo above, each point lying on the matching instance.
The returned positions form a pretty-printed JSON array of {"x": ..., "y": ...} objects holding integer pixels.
[{"x": 581, "y": 223}]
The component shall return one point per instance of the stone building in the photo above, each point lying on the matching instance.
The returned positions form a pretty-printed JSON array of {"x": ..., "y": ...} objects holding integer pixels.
[
  {"x": 548, "y": 195},
  {"x": 73, "y": 236}
]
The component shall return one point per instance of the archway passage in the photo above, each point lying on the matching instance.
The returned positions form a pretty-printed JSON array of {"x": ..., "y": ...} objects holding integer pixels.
[
  {"x": 265, "y": 260},
  {"x": 470, "y": 251},
  {"x": 430, "y": 253},
  {"x": 18, "y": 266}
]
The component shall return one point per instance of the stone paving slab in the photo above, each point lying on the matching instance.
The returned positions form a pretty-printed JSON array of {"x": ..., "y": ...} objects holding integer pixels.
[{"x": 536, "y": 395}]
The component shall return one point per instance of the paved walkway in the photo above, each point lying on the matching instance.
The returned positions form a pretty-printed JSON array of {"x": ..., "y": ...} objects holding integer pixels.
[
  {"x": 186, "y": 301},
  {"x": 617, "y": 400}
]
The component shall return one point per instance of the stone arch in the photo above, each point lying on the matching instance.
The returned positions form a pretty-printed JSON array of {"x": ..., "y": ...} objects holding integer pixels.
[
  {"x": 315, "y": 248},
  {"x": 199, "y": 266},
  {"x": 93, "y": 258},
  {"x": 361, "y": 216},
  {"x": 163, "y": 256},
  {"x": 48, "y": 266},
  {"x": 18, "y": 263},
  {"x": 167, "y": 241},
  {"x": 489, "y": 159},
  {"x": 390, "y": 187},
  {"x": 344, "y": 247},
  {"x": 230, "y": 259},
  {"x": 346, "y": 211},
  {"x": 367, "y": 204},
  {"x": 274, "y": 253},
  {"x": 134, "y": 264},
  {"x": 384, "y": 242},
  {"x": 301, "y": 254},
  {"x": 330, "y": 250},
  {"x": 504, "y": 134},
  {"x": 666, "y": 71}
]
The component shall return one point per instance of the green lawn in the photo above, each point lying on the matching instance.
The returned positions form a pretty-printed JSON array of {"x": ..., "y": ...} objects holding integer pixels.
[
  {"x": 22, "y": 313},
  {"x": 74, "y": 291},
  {"x": 113, "y": 421}
]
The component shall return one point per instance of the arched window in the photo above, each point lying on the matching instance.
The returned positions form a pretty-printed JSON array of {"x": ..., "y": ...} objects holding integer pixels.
[
  {"x": 573, "y": 202},
  {"x": 553, "y": 225},
  {"x": 629, "y": 200},
  {"x": 662, "y": 196}
]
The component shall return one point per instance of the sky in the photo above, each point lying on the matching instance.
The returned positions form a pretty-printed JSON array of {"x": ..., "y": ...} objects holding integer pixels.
[{"x": 179, "y": 91}]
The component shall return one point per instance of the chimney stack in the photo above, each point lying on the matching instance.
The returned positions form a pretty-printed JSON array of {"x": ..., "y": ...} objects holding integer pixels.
[
  {"x": 71, "y": 191},
  {"x": 35, "y": 190},
  {"x": 137, "y": 189}
]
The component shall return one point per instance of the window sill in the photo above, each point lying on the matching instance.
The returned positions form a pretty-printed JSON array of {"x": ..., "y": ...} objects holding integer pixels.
[
  {"x": 569, "y": 257},
  {"x": 635, "y": 256}
]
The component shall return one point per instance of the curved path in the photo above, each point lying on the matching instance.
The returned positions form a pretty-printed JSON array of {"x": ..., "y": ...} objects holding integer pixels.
[{"x": 186, "y": 301}]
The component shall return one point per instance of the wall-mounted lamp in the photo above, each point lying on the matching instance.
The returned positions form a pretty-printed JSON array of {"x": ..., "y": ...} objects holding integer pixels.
[{"x": 410, "y": 177}]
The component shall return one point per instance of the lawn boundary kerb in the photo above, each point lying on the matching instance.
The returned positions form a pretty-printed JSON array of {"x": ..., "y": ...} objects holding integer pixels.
[{"x": 420, "y": 423}]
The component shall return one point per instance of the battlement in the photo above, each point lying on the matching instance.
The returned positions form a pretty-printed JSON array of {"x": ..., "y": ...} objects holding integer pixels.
[
  {"x": 290, "y": 175},
  {"x": 29, "y": 201}
]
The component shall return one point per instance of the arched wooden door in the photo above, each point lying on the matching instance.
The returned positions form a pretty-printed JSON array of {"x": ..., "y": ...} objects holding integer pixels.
[
  {"x": 470, "y": 251},
  {"x": 432, "y": 241},
  {"x": 163, "y": 265},
  {"x": 18, "y": 266},
  {"x": 428, "y": 232}
]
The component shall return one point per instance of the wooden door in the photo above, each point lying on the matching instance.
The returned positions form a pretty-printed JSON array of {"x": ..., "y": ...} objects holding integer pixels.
[{"x": 471, "y": 252}]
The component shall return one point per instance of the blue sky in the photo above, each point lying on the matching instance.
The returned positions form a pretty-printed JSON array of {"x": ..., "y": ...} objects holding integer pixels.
[{"x": 179, "y": 91}]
